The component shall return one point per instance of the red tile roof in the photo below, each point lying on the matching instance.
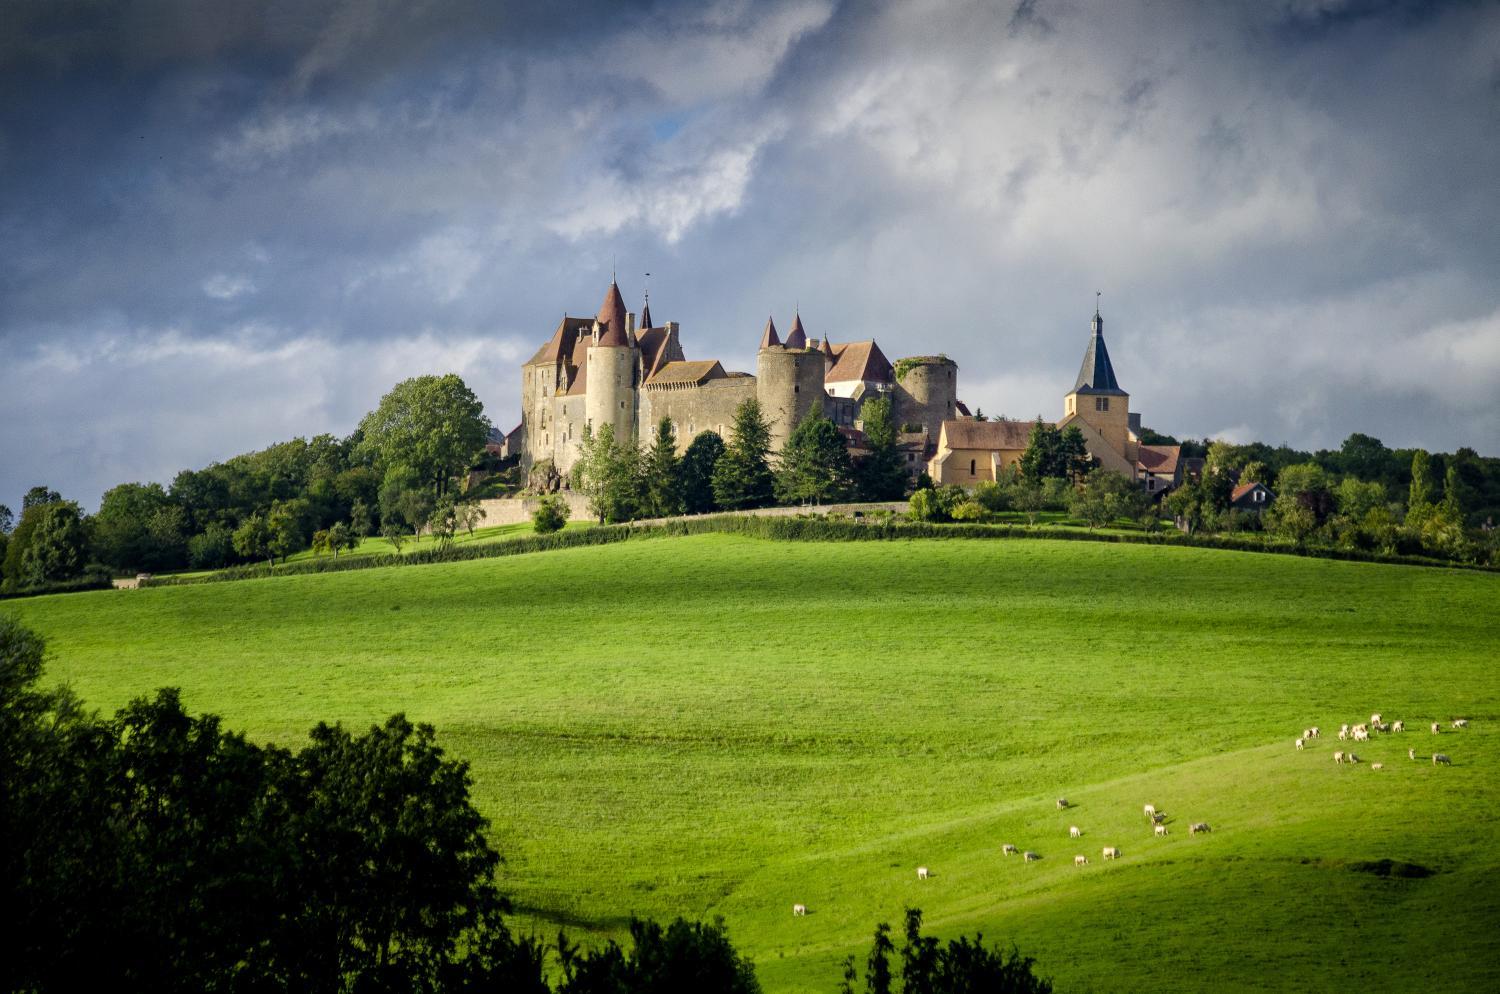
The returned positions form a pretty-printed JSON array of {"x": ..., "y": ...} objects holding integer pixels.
[
  {"x": 612, "y": 319},
  {"x": 989, "y": 435},
  {"x": 859, "y": 361},
  {"x": 769, "y": 338},
  {"x": 688, "y": 372},
  {"x": 797, "y": 339},
  {"x": 1159, "y": 459},
  {"x": 561, "y": 342}
]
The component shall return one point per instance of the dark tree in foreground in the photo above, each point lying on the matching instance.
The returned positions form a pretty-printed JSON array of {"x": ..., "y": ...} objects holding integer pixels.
[
  {"x": 814, "y": 464},
  {"x": 963, "y": 966},
  {"x": 742, "y": 476},
  {"x": 696, "y": 471},
  {"x": 881, "y": 475},
  {"x": 684, "y": 958}
]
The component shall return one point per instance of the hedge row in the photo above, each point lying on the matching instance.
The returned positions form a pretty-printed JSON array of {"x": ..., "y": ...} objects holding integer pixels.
[
  {"x": 92, "y": 581},
  {"x": 796, "y": 529}
]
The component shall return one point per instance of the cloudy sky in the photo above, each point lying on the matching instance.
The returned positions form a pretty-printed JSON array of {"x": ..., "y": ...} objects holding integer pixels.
[{"x": 226, "y": 224}]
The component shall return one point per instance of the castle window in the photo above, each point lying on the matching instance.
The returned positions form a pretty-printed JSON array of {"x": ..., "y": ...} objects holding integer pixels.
[
  {"x": 1101, "y": 403},
  {"x": 971, "y": 467},
  {"x": 796, "y": 388}
]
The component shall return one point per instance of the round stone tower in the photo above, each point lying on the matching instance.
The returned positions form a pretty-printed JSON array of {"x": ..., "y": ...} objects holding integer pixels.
[
  {"x": 609, "y": 370},
  {"x": 788, "y": 382},
  {"x": 927, "y": 392}
]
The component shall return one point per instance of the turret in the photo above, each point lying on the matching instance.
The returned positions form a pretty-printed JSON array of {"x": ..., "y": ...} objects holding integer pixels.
[
  {"x": 927, "y": 391},
  {"x": 788, "y": 380},
  {"x": 611, "y": 365}
]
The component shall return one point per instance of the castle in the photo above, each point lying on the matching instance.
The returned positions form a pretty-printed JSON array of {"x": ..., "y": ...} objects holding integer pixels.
[{"x": 614, "y": 370}]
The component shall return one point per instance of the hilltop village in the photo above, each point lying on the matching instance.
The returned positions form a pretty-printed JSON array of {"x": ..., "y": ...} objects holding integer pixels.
[{"x": 628, "y": 372}]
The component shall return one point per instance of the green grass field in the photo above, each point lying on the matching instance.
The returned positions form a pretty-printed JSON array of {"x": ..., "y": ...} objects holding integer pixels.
[{"x": 720, "y": 725}]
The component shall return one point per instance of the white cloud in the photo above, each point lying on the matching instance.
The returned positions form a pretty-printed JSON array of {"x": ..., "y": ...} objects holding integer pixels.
[{"x": 223, "y": 286}]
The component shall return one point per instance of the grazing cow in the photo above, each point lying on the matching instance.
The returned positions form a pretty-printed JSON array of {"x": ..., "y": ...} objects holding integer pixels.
[
  {"x": 1352, "y": 758},
  {"x": 1439, "y": 758},
  {"x": 1150, "y": 811},
  {"x": 1307, "y": 733},
  {"x": 1080, "y": 861},
  {"x": 1398, "y": 726},
  {"x": 1375, "y": 719},
  {"x": 921, "y": 873},
  {"x": 1158, "y": 818},
  {"x": 1008, "y": 849},
  {"x": 1316, "y": 731},
  {"x": 1161, "y": 830},
  {"x": 1361, "y": 734},
  {"x": 1029, "y": 857},
  {"x": 1062, "y": 802},
  {"x": 1377, "y": 766},
  {"x": 1299, "y": 745},
  {"x": 1460, "y": 722},
  {"x": 1197, "y": 826},
  {"x": 1411, "y": 754},
  {"x": 799, "y": 909},
  {"x": 1338, "y": 757},
  {"x": 1436, "y": 728},
  {"x": 1111, "y": 852},
  {"x": 1343, "y": 733},
  {"x": 1074, "y": 832}
]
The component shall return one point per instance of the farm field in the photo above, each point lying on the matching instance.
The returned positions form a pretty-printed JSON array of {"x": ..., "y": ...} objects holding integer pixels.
[{"x": 720, "y": 725}]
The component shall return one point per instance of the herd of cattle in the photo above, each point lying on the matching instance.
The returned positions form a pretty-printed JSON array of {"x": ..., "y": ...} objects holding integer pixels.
[{"x": 1357, "y": 733}]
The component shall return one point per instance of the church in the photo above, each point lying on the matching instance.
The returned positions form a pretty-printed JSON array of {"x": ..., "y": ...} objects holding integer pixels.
[
  {"x": 969, "y": 451},
  {"x": 626, "y": 373}
]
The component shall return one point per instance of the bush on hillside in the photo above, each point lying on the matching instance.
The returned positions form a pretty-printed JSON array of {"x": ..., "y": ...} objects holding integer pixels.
[{"x": 551, "y": 515}]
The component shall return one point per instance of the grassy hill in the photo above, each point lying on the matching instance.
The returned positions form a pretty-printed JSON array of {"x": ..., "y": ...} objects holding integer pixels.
[{"x": 723, "y": 725}]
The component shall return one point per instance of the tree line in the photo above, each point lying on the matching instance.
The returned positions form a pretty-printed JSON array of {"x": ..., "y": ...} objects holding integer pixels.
[
  {"x": 155, "y": 850},
  {"x": 393, "y": 476}
]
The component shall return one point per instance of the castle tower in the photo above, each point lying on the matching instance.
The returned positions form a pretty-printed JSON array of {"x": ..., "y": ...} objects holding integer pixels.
[
  {"x": 788, "y": 380},
  {"x": 1096, "y": 399},
  {"x": 927, "y": 392},
  {"x": 610, "y": 369}
]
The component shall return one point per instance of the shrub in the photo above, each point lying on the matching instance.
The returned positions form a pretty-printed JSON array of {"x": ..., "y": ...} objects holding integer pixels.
[
  {"x": 925, "y": 506},
  {"x": 968, "y": 510},
  {"x": 551, "y": 515}
]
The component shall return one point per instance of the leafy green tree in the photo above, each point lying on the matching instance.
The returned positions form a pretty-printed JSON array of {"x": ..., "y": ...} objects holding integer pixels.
[
  {"x": 1455, "y": 497},
  {"x": 1072, "y": 455},
  {"x": 742, "y": 476},
  {"x": 416, "y": 508},
  {"x": 394, "y": 534},
  {"x": 608, "y": 474},
  {"x": 1356, "y": 498},
  {"x": 1028, "y": 497},
  {"x": 685, "y": 956},
  {"x": 661, "y": 474},
  {"x": 341, "y": 538},
  {"x": 138, "y": 527},
  {"x": 1419, "y": 495},
  {"x": 1256, "y": 472},
  {"x": 925, "y": 506},
  {"x": 1308, "y": 485},
  {"x": 468, "y": 515},
  {"x": 285, "y": 527},
  {"x": 1193, "y": 506},
  {"x": 697, "y": 472},
  {"x": 551, "y": 515},
  {"x": 252, "y": 539},
  {"x": 7, "y": 520},
  {"x": 58, "y": 547},
  {"x": 211, "y": 548},
  {"x": 361, "y": 519},
  {"x": 814, "y": 464},
  {"x": 434, "y": 424},
  {"x": 1104, "y": 497},
  {"x": 39, "y": 496},
  {"x": 319, "y": 543},
  {"x": 880, "y": 475},
  {"x": 1040, "y": 459},
  {"x": 444, "y": 520}
]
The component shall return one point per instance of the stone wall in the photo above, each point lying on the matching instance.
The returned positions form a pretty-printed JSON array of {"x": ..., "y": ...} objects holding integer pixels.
[
  {"x": 927, "y": 393},
  {"x": 708, "y": 407},
  {"x": 517, "y": 510}
]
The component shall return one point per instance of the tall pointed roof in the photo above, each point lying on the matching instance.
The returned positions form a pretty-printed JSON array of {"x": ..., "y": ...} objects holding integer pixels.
[
  {"x": 611, "y": 318},
  {"x": 770, "y": 337},
  {"x": 1096, "y": 375},
  {"x": 646, "y": 314},
  {"x": 798, "y": 337}
]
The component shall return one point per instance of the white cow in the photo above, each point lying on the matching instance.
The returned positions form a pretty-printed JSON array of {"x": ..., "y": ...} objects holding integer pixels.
[
  {"x": 1460, "y": 722},
  {"x": 1436, "y": 728},
  {"x": 1343, "y": 733},
  {"x": 1029, "y": 856},
  {"x": 1361, "y": 734},
  {"x": 1411, "y": 754},
  {"x": 799, "y": 910},
  {"x": 1338, "y": 757},
  {"x": 1161, "y": 830},
  {"x": 1438, "y": 758},
  {"x": 1197, "y": 826},
  {"x": 1150, "y": 811},
  {"x": 1080, "y": 861},
  {"x": 1008, "y": 849},
  {"x": 1398, "y": 726},
  {"x": 1377, "y": 766},
  {"x": 1074, "y": 832},
  {"x": 921, "y": 873},
  {"x": 1316, "y": 731},
  {"x": 1062, "y": 802},
  {"x": 1375, "y": 719},
  {"x": 1111, "y": 852},
  {"x": 1299, "y": 745}
]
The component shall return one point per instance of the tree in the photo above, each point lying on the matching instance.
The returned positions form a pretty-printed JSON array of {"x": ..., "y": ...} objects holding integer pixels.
[
  {"x": 39, "y": 496},
  {"x": 252, "y": 539},
  {"x": 341, "y": 537},
  {"x": 1028, "y": 497},
  {"x": 394, "y": 534},
  {"x": 814, "y": 464},
  {"x": 1192, "y": 506},
  {"x": 1072, "y": 455},
  {"x": 361, "y": 519},
  {"x": 138, "y": 527},
  {"x": 742, "y": 476},
  {"x": 434, "y": 424},
  {"x": 925, "y": 505},
  {"x": 961, "y": 966},
  {"x": 467, "y": 516},
  {"x": 608, "y": 474},
  {"x": 1040, "y": 458},
  {"x": 7, "y": 520},
  {"x": 1419, "y": 495},
  {"x": 1454, "y": 496},
  {"x": 1356, "y": 499},
  {"x": 284, "y": 528},
  {"x": 58, "y": 547},
  {"x": 1106, "y": 496},
  {"x": 685, "y": 956},
  {"x": 881, "y": 474},
  {"x": 444, "y": 520},
  {"x": 697, "y": 472},
  {"x": 416, "y": 508},
  {"x": 661, "y": 489},
  {"x": 551, "y": 515}
]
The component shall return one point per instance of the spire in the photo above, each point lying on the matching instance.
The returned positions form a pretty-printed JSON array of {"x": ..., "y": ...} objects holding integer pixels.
[
  {"x": 646, "y": 312},
  {"x": 1097, "y": 375},
  {"x": 798, "y": 337},
  {"x": 769, "y": 338},
  {"x": 611, "y": 318}
]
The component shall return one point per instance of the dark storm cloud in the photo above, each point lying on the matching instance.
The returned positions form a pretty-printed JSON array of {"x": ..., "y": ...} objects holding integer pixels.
[{"x": 222, "y": 224}]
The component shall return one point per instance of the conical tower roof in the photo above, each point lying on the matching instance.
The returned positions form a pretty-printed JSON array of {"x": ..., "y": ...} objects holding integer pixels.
[
  {"x": 798, "y": 337},
  {"x": 611, "y": 318},
  {"x": 646, "y": 314},
  {"x": 770, "y": 338},
  {"x": 1097, "y": 375}
]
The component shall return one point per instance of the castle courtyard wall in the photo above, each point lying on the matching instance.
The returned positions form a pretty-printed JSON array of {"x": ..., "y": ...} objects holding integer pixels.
[{"x": 697, "y": 408}]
